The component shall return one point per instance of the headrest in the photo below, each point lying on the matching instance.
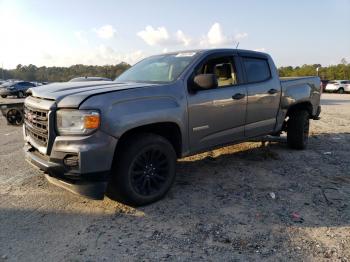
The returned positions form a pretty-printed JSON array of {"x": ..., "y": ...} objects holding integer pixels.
[{"x": 223, "y": 70}]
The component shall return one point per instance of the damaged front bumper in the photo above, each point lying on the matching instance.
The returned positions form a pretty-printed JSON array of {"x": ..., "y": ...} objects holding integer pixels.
[{"x": 79, "y": 164}]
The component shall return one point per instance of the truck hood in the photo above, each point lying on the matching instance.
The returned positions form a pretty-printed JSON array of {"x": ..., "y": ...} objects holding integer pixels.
[{"x": 72, "y": 94}]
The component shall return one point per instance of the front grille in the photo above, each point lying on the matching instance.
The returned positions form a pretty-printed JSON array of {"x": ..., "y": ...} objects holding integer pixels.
[{"x": 36, "y": 124}]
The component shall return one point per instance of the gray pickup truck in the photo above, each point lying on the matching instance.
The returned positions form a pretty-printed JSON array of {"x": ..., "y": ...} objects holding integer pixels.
[{"x": 126, "y": 135}]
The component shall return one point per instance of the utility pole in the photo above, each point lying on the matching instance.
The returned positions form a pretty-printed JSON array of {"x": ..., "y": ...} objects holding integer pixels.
[{"x": 2, "y": 69}]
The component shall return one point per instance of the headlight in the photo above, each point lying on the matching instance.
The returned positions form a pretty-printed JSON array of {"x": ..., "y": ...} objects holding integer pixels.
[{"x": 77, "y": 122}]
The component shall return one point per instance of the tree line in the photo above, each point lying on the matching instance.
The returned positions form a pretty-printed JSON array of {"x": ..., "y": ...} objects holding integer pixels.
[
  {"x": 62, "y": 74},
  {"x": 333, "y": 72}
]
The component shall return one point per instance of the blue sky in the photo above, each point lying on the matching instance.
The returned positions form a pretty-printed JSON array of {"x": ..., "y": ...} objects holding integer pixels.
[{"x": 63, "y": 32}]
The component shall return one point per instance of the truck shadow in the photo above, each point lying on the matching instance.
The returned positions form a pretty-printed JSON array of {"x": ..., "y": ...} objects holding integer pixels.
[{"x": 272, "y": 181}]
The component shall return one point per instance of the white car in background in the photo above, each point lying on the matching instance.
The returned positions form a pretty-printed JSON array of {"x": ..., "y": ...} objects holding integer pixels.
[{"x": 340, "y": 86}]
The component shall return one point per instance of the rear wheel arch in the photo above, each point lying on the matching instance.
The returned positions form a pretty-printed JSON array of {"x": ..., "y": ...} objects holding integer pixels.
[{"x": 307, "y": 106}]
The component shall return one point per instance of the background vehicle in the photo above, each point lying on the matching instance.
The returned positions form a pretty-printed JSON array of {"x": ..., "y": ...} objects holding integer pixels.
[
  {"x": 129, "y": 132},
  {"x": 15, "y": 88},
  {"x": 89, "y": 78},
  {"x": 340, "y": 86},
  {"x": 324, "y": 84}
]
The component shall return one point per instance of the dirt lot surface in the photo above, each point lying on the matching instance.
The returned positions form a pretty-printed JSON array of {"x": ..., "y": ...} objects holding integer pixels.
[{"x": 245, "y": 202}]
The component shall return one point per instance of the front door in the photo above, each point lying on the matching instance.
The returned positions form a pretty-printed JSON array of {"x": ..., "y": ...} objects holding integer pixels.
[{"x": 217, "y": 116}]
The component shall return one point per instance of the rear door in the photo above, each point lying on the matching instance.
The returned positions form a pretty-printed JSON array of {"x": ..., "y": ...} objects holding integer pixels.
[
  {"x": 264, "y": 94},
  {"x": 217, "y": 116}
]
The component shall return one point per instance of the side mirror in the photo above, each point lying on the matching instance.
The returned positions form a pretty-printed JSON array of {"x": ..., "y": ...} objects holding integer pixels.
[{"x": 205, "y": 81}]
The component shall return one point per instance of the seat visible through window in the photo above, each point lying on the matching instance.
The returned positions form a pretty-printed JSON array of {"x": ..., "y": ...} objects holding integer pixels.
[
  {"x": 224, "y": 74},
  {"x": 223, "y": 68}
]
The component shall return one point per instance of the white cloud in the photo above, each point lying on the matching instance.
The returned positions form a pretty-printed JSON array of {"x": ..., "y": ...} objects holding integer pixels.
[
  {"x": 105, "y": 32},
  {"x": 182, "y": 38},
  {"x": 154, "y": 36},
  {"x": 160, "y": 36},
  {"x": 216, "y": 37},
  {"x": 240, "y": 36}
]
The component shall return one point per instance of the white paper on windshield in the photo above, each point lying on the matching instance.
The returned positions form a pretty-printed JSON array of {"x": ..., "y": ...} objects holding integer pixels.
[{"x": 188, "y": 54}]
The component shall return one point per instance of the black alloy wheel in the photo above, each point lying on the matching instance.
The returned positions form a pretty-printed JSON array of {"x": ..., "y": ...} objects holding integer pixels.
[{"x": 149, "y": 171}]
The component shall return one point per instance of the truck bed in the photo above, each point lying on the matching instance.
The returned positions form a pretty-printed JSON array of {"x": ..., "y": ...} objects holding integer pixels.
[
  {"x": 298, "y": 89},
  {"x": 288, "y": 81}
]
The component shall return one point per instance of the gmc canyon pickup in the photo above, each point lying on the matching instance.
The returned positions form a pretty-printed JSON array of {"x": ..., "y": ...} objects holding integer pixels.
[{"x": 128, "y": 133}]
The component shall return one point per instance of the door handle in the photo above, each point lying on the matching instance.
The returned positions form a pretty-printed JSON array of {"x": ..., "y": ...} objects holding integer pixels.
[
  {"x": 272, "y": 91},
  {"x": 238, "y": 96}
]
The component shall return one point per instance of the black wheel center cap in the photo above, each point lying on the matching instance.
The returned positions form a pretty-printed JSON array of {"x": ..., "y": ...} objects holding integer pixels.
[{"x": 149, "y": 170}]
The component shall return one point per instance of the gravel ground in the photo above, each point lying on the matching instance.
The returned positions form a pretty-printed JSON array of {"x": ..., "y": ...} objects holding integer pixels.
[{"x": 245, "y": 202}]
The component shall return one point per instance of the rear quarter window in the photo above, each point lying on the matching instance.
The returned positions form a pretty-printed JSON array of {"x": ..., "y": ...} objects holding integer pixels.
[{"x": 257, "y": 69}]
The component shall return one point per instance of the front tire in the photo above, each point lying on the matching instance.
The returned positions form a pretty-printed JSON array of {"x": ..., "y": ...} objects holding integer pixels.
[
  {"x": 144, "y": 169},
  {"x": 3, "y": 96},
  {"x": 298, "y": 129}
]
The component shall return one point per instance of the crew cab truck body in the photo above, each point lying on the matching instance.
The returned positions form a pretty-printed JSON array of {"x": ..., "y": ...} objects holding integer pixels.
[{"x": 127, "y": 134}]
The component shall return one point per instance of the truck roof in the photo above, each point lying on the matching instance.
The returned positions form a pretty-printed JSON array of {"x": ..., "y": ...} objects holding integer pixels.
[{"x": 213, "y": 50}]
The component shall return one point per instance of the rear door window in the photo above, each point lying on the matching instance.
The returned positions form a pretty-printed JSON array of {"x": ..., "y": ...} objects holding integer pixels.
[{"x": 257, "y": 69}]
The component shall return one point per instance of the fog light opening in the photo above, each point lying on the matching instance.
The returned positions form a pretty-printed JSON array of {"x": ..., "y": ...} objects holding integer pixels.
[{"x": 71, "y": 161}]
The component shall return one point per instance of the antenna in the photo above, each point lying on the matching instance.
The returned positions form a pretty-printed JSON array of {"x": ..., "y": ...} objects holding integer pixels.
[
  {"x": 2, "y": 69},
  {"x": 237, "y": 45}
]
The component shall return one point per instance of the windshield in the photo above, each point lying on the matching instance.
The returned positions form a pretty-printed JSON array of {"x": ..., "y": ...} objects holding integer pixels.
[
  {"x": 162, "y": 68},
  {"x": 8, "y": 84}
]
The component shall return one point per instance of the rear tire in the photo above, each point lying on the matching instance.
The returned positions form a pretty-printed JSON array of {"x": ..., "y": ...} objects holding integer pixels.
[
  {"x": 3, "y": 96},
  {"x": 298, "y": 129},
  {"x": 144, "y": 169},
  {"x": 341, "y": 90}
]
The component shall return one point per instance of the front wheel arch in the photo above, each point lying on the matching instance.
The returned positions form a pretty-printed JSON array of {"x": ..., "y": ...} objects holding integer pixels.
[{"x": 169, "y": 130}]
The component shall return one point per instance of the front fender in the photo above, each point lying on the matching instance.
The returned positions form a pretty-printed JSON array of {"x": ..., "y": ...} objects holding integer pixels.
[
  {"x": 128, "y": 109},
  {"x": 129, "y": 114}
]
